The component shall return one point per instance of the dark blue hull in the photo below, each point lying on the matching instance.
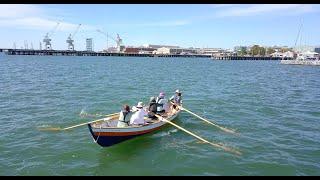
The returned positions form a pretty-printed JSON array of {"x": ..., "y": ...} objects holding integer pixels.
[
  {"x": 108, "y": 137},
  {"x": 106, "y": 141}
]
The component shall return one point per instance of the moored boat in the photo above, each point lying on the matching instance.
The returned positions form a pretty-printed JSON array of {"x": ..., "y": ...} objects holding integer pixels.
[
  {"x": 301, "y": 62},
  {"x": 106, "y": 133}
]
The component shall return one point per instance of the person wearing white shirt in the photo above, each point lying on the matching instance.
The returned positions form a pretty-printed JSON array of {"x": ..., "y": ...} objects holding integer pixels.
[{"x": 138, "y": 117}]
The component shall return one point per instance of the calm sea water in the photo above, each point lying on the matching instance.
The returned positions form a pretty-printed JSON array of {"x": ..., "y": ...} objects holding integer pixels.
[{"x": 275, "y": 108}]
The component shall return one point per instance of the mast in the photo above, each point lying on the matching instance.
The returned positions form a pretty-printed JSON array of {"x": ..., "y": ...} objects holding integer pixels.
[{"x": 298, "y": 34}]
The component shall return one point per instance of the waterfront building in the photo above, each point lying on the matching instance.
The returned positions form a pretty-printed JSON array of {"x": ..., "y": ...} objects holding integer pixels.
[
  {"x": 132, "y": 50},
  {"x": 288, "y": 54},
  {"x": 147, "y": 50},
  {"x": 158, "y": 46},
  {"x": 166, "y": 50},
  {"x": 89, "y": 44},
  {"x": 210, "y": 51}
]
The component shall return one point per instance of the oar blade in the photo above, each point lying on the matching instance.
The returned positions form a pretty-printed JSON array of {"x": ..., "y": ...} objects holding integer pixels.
[
  {"x": 49, "y": 129},
  {"x": 231, "y": 131},
  {"x": 220, "y": 145},
  {"x": 226, "y": 148}
]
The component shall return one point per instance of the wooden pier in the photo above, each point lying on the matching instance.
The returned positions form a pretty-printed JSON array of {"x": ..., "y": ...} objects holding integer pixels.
[{"x": 28, "y": 52}]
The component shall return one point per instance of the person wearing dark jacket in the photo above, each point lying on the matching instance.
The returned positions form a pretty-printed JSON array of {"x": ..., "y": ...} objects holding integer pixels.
[
  {"x": 124, "y": 117},
  {"x": 152, "y": 108}
]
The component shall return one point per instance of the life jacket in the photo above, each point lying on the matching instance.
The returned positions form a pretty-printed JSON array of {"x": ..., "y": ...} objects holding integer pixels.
[
  {"x": 124, "y": 117},
  {"x": 177, "y": 99},
  {"x": 153, "y": 107},
  {"x": 159, "y": 105}
]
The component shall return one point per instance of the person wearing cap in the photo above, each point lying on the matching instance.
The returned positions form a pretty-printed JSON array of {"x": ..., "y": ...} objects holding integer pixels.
[
  {"x": 152, "y": 108},
  {"x": 138, "y": 117},
  {"x": 124, "y": 117},
  {"x": 162, "y": 103},
  {"x": 176, "y": 99}
]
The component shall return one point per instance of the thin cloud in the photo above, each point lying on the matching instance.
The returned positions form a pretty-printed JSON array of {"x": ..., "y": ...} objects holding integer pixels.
[
  {"x": 33, "y": 17},
  {"x": 36, "y": 23},
  {"x": 166, "y": 23},
  {"x": 18, "y": 10},
  {"x": 154, "y": 24},
  {"x": 264, "y": 8}
]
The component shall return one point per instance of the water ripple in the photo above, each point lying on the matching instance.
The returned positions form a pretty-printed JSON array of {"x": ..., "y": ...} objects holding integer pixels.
[{"x": 273, "y": 107}]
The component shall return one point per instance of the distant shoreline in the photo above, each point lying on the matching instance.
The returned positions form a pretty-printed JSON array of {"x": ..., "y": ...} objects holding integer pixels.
[
  {"x": 89, "y": 53},
  {"x": 28, "y": 52}
]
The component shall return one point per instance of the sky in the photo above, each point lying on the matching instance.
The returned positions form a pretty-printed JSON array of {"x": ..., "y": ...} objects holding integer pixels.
[{"x": 184, "y": 25}]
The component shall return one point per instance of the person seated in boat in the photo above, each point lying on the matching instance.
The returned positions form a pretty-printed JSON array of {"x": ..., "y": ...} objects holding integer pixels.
[
  {"x": 162, "y": 104},
  {"x": 138, "y": 117},
  {"x": 152, "y": 109},
  {"x": 176, "y": 99},
  {"x": 124, "y": 117}
]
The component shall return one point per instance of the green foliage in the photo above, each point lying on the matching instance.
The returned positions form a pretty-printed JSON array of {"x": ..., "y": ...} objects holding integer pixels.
[
  {"x": 243, "y": 51},
  {"x": 270, "y": 51},
  {"x": 257, "y": 50}
]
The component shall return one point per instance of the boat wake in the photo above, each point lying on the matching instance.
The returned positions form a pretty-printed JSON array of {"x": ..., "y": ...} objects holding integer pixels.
[
  {"x": 83, "y": 113},
  {"x": 162, "y": 134}
]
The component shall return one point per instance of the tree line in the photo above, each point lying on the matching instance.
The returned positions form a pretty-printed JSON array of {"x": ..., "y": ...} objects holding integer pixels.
[{"x": 261, "y": 51}]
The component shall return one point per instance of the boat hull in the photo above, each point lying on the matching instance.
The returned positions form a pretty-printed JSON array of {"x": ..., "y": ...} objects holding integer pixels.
[
  {"x": 106, "y": 141},
  {"x": 106, "y": 137},
  {"x": 301, "y": 62}
]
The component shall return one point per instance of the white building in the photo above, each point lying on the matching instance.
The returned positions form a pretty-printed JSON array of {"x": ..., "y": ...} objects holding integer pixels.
[
  {"x": 89, "y": 44},
  {"x": 288, "y": 54},
  {"x": 210, "y": 51},
  {"x": 163, "y": 50},
  {"x": 159, "y": 46},
  {"x": 166, "y": 50}
]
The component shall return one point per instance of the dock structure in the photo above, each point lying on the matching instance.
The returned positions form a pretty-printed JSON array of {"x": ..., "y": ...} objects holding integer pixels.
[
  {"x": 29, "y": 52},
  {"x": 249, "y": 58}
]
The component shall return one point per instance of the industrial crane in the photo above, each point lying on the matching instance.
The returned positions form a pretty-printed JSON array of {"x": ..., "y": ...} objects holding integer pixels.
[
  {"x": 118, "y": 40},
  {"x": 70, "y": 39},
  {"x": 47, "y": 38}
]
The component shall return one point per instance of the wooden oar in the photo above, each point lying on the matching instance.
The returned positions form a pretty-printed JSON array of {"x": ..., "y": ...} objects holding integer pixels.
[
  {"x": 222, "y": 128},
  {"x": 95, "y": 115},
  {"x": 108, "y": 117},
  {"x": 200, "y": 138}
]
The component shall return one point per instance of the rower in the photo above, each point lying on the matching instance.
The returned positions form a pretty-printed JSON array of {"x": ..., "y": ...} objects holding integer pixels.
[
  {"x": 124, "y": 117},
  {"x": 138, "y": 117},
  {"x": 162, "y": 104},
  {"x": 152, "y": 109},
  {"x": 176, "y": 99}
]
